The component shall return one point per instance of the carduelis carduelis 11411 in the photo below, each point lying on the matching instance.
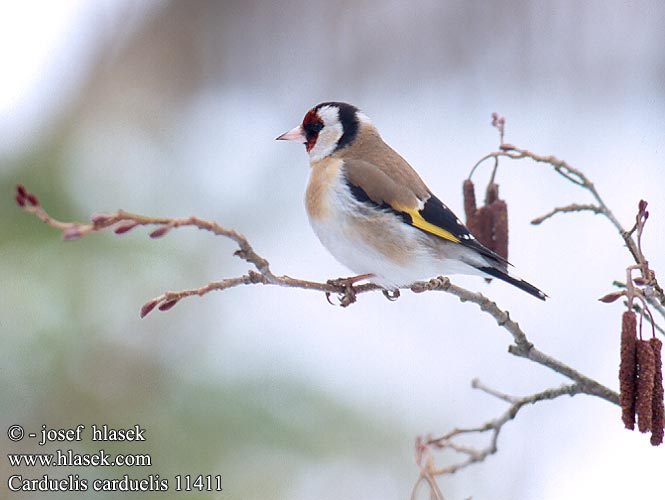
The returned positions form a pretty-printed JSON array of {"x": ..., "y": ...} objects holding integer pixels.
[{"x": 374, "y": 213}]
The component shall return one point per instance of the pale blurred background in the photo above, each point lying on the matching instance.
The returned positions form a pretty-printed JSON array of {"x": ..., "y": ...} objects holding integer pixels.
[{"x": 171, "y": 108}]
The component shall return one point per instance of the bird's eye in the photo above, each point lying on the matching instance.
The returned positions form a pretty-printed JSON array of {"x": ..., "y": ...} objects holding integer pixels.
[{"x": 313, "y": 128}]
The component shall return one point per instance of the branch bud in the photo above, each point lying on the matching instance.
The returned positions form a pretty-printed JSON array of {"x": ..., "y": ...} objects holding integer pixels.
[
  {"x": 165, "y": 306},
  {"x": 20, "y": 200},
  {"x": 149, "y": 306},
  {"x": 32, "y": 199},
  {"x": 123, "y": 228},
  {"x": 160, "y": 231},
  {"x": 611, "y": 297}
]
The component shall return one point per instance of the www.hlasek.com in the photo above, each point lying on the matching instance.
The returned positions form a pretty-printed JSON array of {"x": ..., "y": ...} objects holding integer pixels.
[{"x": 71, "y": 458}]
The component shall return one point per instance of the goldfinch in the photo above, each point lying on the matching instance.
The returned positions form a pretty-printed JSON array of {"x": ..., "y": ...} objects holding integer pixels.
[{"x": 374, "y": 213}]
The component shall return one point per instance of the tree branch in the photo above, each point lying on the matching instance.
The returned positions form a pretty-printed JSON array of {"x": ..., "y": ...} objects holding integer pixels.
[
  {"x": 424, "y": 446},
  {"x": 126, "y": 221},
  {"x": 573, "y": 207},
  {"x": 522, "y": 347},
  {"x": 347, "y": 292}
]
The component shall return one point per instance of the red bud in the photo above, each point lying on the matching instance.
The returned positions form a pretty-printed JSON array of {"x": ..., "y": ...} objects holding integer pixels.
[
  {"x": 148, "y": 306},
  {"x": 160, "y": 231},
  {"x": 32, "y": 199},
  {"x": 123, "y": 228},
  {"x": 20, "y": 200},
  {"x": 20, "y": 190},
  {"x": 611, "y": 297},
  {"x": 165, "y": 306}
]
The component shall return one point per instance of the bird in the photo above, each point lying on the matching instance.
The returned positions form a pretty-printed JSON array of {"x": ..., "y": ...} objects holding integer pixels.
[{"x": 374, "y": 213}]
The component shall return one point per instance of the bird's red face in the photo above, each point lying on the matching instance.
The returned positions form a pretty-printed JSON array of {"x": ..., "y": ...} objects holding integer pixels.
[
  {"x": 307, "y": 132},
  {"x": 325, "y": 129},
  {"x": 311, "y": 125}
]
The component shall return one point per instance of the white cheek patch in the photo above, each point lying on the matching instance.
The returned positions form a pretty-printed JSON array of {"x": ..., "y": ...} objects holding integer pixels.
[{"x": 329, "y": 115}]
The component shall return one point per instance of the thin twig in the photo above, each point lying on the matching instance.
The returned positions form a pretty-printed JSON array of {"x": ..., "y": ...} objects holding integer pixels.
[
  {"x": 474, "y": 454},
  {"x": 573, "y": 207}
]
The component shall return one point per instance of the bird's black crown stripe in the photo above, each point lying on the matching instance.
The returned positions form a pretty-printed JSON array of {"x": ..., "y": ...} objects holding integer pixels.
[
  {"x": 360, "y": 195},
  {"x": 348, "y": 119}
]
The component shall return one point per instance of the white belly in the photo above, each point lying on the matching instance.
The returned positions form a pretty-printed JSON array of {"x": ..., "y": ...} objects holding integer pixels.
[{"x": 371, "y": 241}]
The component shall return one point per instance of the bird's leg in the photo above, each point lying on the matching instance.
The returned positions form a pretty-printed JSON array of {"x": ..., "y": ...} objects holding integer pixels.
[
  {"x": 346, "y": 282},
  {"x": 391, "y": 295},
  {"x": 347, "y": 293}
]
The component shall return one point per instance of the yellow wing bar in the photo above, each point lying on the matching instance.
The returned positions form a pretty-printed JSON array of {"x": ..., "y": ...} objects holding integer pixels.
[{"x": 418, "y": 221}]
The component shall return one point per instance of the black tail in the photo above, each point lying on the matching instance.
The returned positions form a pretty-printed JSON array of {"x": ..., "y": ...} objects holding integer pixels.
[{"x": 521, "y": 284}]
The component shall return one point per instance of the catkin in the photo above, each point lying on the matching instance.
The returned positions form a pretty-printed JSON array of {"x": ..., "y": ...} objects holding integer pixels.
[
  {"x": 499, "y": 210},
  {"x": 489, "y": 223},
  {"x": 628, "y": 369},
  {"x": 646, "y": 370},
  {"x": 657, "y": 407},
  {"x": 477, "y": 219},
  {"x": 470, "y": 206}
]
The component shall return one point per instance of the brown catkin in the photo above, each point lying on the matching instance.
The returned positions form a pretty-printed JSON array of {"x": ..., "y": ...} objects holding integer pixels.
[
  {"x": 481, "y": 226},
  {"x": 628, "y": 369},
  {"x": 489, "y": 223},
  {"x": 646, "y": 370},
  {"x": 657, "y": 407},
  {"x": 469, "y": 200},
  {"x": 478, "y": 221},
  {"x": 499, "y": 211},
  {"x": 491, "y": 194}
]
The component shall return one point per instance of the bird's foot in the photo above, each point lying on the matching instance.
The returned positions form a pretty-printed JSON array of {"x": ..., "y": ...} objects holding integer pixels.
[
  {"x": 391, "y": 295},
  {"x": 347, "y": 294}
]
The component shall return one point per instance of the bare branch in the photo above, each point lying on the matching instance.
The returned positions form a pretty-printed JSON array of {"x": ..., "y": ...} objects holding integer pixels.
[
  {"x": 472, "y": 454},
  {"x": 522, "y": 346},
  {"x": 573, "y": 207},
  {"x": 126, "y": 221},
  {"x": 656, "y": 295},
  {"x": 645, "y": 288}
]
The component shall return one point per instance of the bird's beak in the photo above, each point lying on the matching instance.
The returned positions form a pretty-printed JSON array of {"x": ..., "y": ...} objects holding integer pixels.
[{"x": 295, "y": 134}]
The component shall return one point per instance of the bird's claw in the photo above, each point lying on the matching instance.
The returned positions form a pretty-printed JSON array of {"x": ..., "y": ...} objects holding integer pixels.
[{"x": 347, "y": 294}]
